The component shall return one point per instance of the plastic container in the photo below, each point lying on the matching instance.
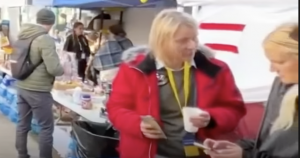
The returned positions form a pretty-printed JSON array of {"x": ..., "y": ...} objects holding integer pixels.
[
  {"x": 10, "y": 96},
  {"x": 5, "y": 110},
  {"x": 1, "y": 78},
  {"x": 72, "y": 147},
  {"x": 14, "y": 102},
  {"x": 35, "y": 128},
  {"x": 86, "y": 101},
  {"x": 3, "y": 91},
  {"x": 77, "y": 95},
  {"x": 13, "y": 116},
  {"x": 4, "y": 81},
  {"x": 11, "y": 82},
  {"x": 8, "y": 81}
]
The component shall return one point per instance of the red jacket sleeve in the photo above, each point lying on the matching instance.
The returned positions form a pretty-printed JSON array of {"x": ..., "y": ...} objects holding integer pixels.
[
  {"x": 121, "y": 105},
  {"x": 229, "y": 107}
]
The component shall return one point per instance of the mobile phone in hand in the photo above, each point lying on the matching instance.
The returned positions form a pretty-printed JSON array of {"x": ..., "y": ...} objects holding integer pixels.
[
  {"x": 151, "y": 121},
  {"x": 199, "y": 145}
]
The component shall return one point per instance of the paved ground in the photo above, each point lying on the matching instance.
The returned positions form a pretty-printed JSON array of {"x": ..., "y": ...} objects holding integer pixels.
[{"x": 7, "y": 139}]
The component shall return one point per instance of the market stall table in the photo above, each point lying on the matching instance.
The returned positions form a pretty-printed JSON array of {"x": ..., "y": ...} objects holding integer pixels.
[
  {"x": 92, "y": 115},
  {"x": 61, "y": 134}
]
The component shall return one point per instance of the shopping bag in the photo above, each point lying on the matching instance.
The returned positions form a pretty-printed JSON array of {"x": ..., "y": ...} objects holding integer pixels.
[
  {"x": 95, "y": 140},
  {"x": 69, "y": 63}
]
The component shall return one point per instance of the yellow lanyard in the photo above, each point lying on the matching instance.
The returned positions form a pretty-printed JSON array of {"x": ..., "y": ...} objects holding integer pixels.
[{"x": 186, "y": 84}]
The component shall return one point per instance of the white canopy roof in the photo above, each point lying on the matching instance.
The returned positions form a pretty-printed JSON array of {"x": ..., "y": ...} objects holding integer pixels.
[
  {"x": 236, "y": 32},
  {"x": 12, "y": 3}
]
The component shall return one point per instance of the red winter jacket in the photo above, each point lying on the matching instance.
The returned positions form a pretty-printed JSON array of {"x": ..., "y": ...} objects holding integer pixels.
[{"x": 135, "y": 94}]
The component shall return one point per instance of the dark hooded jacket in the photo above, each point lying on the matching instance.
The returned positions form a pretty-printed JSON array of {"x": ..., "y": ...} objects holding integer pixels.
[{"x": 280, "y": 144}]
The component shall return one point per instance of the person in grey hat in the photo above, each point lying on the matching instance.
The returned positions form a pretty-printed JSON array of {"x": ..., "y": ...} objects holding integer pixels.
[{"x": 34, "y": 92}]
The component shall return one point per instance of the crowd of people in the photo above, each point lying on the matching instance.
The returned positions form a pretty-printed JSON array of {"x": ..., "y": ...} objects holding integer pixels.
[{"x": 156, "y": 81}]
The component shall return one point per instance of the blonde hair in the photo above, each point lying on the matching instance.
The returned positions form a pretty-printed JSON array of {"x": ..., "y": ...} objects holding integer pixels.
[
  {"x": 282, "y": 36},
  {"x": 288, "y": 111},
  {"x": 163, "y": 28}
]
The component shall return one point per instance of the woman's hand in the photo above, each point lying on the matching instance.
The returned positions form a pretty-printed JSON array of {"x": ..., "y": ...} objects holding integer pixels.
[
  {"x": 201, "y": 121},
  {"x": 223, "y": 149},
  {"x": 149, "y": 131}
]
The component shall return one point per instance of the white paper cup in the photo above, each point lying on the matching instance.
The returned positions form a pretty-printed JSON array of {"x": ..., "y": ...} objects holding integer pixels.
[{"x": 187, "y": 113}]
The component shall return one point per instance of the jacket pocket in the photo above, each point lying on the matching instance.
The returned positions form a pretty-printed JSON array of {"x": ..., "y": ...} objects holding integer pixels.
[{"x": 131, "y": 147}]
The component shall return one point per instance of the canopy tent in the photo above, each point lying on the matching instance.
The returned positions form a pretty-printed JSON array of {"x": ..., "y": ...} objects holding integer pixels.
[
  {"x": 237, "y": 40},
  {"x": 104, "y": 3}
]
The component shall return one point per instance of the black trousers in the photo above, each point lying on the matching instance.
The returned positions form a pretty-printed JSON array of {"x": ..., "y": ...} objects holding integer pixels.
[{"x": 82, "y": 63}]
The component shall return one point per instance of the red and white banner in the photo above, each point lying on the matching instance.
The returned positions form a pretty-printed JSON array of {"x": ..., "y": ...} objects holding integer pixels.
[
  {"x": 226, "y": 30},
  {"x": 236, "y": 33}
]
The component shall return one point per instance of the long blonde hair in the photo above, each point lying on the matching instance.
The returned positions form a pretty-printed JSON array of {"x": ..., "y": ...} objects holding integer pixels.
[
  {"x": 282, "y": 37},
  {"x": 163, "y": 28},
  {"x": 288, "y": 112}
]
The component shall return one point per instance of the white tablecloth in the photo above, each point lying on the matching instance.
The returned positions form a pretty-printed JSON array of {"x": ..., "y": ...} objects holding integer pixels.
[{"x": 90, "y": 115}]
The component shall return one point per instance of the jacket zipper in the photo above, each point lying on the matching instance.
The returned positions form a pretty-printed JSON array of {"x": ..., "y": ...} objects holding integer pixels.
[{"x": 149, "y": 109}]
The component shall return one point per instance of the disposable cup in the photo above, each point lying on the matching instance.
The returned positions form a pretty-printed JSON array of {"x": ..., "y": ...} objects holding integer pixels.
[{"x": 188, "y": 113}]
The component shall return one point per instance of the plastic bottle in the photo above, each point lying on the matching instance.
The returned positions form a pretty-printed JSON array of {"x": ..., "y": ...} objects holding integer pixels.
[{"x": 77, "y": 95}]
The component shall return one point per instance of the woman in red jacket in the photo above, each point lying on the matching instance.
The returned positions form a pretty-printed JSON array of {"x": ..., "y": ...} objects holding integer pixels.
[{"x": 158, "y": 80}]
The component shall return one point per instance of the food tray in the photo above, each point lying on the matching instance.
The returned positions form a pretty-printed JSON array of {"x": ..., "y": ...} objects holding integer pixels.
[{"x": 58, "y": 85}]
